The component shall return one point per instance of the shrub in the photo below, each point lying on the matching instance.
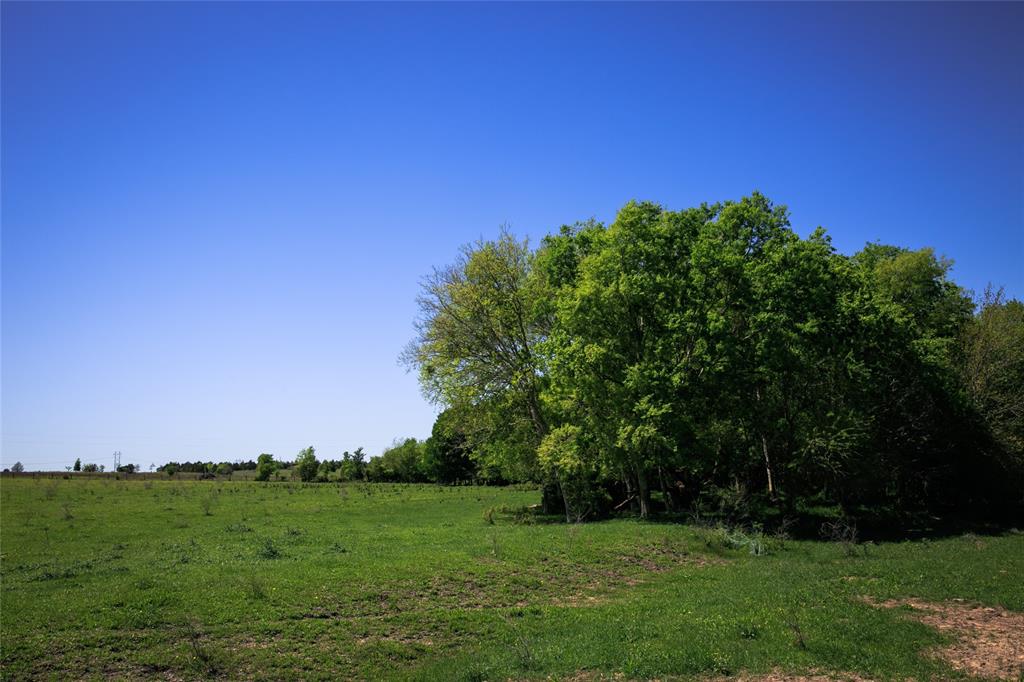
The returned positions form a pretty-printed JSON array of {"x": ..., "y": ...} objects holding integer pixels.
[
  {"x": 844, "y": 532},
  {"x": 268, "y": 550},
  {"x": 265, "y": 467},
  {"x": 307, "y": 465}
]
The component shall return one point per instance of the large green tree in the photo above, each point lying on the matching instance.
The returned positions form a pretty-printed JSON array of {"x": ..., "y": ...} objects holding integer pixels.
[
  {"x": 714, "y": 352},
  {"x": 992, "y": 367},
  {"x": 611, "y": 374},
  {"x": 480, "y": 321}
]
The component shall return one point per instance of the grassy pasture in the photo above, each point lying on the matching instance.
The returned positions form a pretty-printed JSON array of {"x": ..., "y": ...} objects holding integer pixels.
[{"x": 200, "y": 579}]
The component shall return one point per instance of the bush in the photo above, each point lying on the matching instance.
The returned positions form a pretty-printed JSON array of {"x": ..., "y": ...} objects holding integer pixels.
[
  {"x": 307, "y": 465},
  {"x": 401, "y": 463},
  {"x": 268, "y": 550},
  {"x": 265, "y": 467}
]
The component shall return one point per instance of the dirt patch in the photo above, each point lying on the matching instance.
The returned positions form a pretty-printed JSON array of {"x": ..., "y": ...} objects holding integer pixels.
[
  {"x": 591, "y": 676},
  {"x": 660, "y": 558},
  {"x": 774, "y": 676},
  {"x": 250, "y": 643},
  {"x": 989, "y": 641},
  {"x": 583, "y": 599},
  {"x": 422, "y": 640},
  {"x": 779, "y": 676}
]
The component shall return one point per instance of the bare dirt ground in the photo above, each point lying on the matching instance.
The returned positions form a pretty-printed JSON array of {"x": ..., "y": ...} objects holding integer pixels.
[
  {"x": 590, "y": 676},
  {"x": 989, "y": 641}
]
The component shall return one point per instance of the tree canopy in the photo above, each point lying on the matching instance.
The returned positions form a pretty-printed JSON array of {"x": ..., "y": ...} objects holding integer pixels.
[{"x": 675, "y": 358}]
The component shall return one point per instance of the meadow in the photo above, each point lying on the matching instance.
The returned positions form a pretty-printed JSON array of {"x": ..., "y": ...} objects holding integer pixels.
[{"x": 167, "y": 579}]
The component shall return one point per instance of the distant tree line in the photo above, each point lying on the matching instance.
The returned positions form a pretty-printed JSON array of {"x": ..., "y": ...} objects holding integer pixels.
[
  {"x": 409, "y": 461},
  {"x": 207, "y": 468},
  {"x": 442, "y": 458},
  {"x": 713, "y": 358},
  {"x": 351, "y": 467}
]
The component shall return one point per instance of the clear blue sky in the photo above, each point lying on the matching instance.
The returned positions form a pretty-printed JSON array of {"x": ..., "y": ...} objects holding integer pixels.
[{"x": 215, "y": 216}]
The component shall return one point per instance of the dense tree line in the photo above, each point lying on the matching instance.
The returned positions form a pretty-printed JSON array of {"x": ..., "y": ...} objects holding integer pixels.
[
  {"x": 441, "y": 458},
  {"x": 712, "y": 356},
  {"x": 208, "y": 468},
  {"x": 351, "y": 467}
]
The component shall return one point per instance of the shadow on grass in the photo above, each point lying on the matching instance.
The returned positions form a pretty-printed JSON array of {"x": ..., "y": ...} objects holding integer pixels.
[{"x": 826, "y": 524}]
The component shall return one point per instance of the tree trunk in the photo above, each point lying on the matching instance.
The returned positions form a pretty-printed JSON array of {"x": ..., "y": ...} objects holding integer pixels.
[
  {"x": 764, "y": 450},
  {"x": 540, "y": 425},
  {"x": 645, "y": 493},
  {"x": 630, "y": 490},
  {"x": 669, "y": 502},
  {"x": 768, "y": 466},
  {"x": 565, "y": 501}
]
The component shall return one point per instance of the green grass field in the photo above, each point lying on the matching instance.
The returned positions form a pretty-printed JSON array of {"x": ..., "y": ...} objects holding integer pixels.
[{"x": 200, "y": 579}]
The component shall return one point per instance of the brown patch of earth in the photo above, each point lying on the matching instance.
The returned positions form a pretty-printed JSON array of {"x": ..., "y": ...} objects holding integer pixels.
[
  {"x": 252, "y": 643},
  {"x": 658, "y": 559},
  {"x": 806, "y": 677},
  {"x": 419, "y": 640},
  {"x": 989, "y": 641},
  {"x": 582, "y": 599},
  {"x": 775, "y": 676},
  {"x": 590, "y": 676},
  {"x": 810, "y": 677},
  {"x": 595, "y": 585}
]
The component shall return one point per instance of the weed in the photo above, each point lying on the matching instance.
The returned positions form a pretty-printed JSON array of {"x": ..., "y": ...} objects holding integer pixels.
[
  {"x": 781, "y": 535},
  {"x": 735, "y": 538},
  {"x": 571, "y": 532},
  {"x": 202, "y": 658},
  {"x": 748, "y": 631},
  {"x": 798, "y": 634},
  {"x": 522, "y": 648},
  {"x": 495, "y": 547},
  {"x": 844, "y": 532},
  {"x": 256, "y": 587},
  {"x": 268, "y": 550}
]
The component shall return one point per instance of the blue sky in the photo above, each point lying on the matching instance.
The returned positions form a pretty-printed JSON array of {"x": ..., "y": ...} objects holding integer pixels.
[{"x": 215, "y": 216}]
